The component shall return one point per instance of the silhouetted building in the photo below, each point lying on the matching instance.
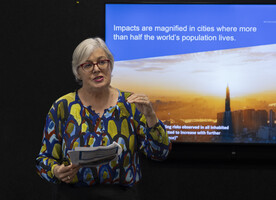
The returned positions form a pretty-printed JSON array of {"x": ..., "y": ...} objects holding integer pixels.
[
  {"x": 237, "y": 121},
  {"x": 227, "y": 100},
  {"x": 227, "y": 119},
  {"x": 220, "y": 117},
  {"x": 249, "y": 119},
  {"x": 271, "y": 118},
  {"x": 252, "y": 119},
  {"x": 261, "y": 118}
]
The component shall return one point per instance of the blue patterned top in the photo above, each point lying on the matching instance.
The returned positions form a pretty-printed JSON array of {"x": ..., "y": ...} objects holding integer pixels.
[{"x": 69, "y": 124}]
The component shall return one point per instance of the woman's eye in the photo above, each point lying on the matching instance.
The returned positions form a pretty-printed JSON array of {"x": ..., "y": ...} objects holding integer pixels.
[
  {"x": 88, "y": 65},
  {"x": 101, "y": 62}
]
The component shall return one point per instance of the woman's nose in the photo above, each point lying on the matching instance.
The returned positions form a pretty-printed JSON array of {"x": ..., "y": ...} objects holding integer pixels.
[{"x": 96, "y": 68}]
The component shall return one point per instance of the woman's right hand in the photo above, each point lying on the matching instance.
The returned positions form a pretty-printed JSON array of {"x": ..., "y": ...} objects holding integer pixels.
[{"x": 66, "y": 173}]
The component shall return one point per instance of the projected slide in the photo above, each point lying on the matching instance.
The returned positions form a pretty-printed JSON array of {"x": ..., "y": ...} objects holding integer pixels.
[{"x": 209, "y": 70}]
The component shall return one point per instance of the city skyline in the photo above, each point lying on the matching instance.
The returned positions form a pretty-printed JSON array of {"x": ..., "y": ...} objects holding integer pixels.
[{"x": 245, "y": 125}]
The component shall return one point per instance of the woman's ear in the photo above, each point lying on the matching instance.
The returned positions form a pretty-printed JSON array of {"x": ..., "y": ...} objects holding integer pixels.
[{"x": 78, "y": 75}]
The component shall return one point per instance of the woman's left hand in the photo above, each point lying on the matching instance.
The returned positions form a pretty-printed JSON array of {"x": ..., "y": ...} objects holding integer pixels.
[{"x": 143, "y": 104}]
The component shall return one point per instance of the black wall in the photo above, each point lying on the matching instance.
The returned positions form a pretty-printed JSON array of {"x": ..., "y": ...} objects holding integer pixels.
[{"x": 38, "y": 39}]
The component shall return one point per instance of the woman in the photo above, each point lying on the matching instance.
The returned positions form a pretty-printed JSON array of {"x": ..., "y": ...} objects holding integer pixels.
[{"x": 96, "y": 115}]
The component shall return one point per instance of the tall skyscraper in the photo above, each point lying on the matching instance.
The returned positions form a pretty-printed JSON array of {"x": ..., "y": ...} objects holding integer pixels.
[
  {"x": 227, "y": 100},
  {"x": 227, "y": 135}
]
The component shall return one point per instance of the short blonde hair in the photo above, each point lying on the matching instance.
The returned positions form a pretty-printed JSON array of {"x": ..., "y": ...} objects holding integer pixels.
[{"x": 83, "y": 52}]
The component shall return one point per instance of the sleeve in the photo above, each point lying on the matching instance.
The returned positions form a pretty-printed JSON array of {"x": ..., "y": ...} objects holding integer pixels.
[
  {"x": 50, "y": 152},
  {"x": 154, "y": 141}
]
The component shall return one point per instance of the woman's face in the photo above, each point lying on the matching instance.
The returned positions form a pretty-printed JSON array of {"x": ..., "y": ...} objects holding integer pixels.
[{"x": 97, "y": 76}]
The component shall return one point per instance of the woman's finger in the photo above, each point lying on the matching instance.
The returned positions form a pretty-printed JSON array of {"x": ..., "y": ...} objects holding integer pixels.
[
  {"x": 138, "y": 98},
  {"x": 70, "y": 172},
  {"x": 69, "y": 176},
  {"x": 65, "y": 173}
]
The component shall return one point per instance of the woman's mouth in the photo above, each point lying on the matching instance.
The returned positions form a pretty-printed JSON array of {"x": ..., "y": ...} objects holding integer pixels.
[{"x": 98, "y": 78}]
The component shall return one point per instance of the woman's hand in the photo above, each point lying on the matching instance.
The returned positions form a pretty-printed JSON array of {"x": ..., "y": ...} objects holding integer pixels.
[
  {"x": 143, "y": 104},
  {"x": 66, "y": 173}
]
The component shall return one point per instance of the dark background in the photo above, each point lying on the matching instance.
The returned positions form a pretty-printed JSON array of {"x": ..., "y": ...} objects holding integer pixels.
[{"x": 38, "y": 39}]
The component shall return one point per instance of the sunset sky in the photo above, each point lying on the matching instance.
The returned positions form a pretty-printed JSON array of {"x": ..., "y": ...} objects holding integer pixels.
[{"x": 247, "y": 71}]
